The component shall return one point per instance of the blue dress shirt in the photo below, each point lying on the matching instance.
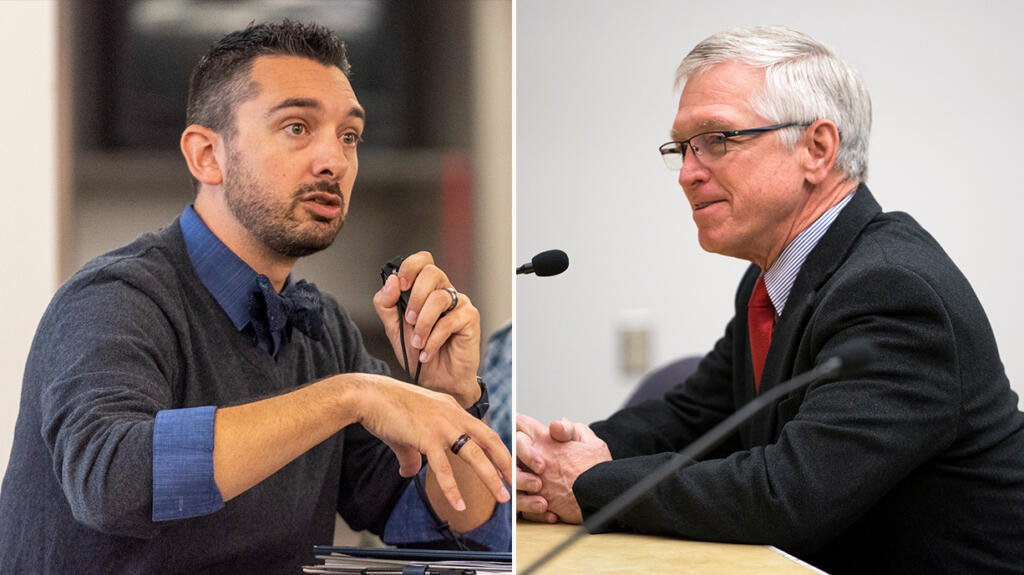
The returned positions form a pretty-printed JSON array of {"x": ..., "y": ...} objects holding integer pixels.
[
  {"x": 497, "y": 373},
  {"x": 183, "y": 483}
]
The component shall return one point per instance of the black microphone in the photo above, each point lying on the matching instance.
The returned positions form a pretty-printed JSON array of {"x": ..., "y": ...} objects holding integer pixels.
[
  {"x": 850, "y": 357},
  {"x": 549, "y": 263}
]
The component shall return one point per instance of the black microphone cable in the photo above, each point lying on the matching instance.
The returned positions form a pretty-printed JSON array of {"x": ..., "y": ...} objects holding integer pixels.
[
  {"x": 405, "y": 356},
  {"x": 391, "y": 268}
]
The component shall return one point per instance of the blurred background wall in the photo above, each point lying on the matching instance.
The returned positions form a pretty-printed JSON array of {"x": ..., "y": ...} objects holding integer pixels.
[
  {"x": 32, "y": 195},
  {"x": 595, "y": 100},
  {"x": 92, "y": 156}
]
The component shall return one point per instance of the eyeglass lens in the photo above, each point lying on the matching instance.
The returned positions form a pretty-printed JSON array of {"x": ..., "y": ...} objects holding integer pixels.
[{"x": 705, "y": 146}]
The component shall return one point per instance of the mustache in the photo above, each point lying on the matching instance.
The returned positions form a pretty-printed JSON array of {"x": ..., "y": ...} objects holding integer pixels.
[{"x": 321, "y": 186}]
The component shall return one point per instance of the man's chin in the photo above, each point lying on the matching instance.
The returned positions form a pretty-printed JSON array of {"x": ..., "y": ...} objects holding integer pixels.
[
  {"x": 310, "y": 243},
  {"x": 708, "y": 243},
  {"x": 301, "y": 250},
  {"x": 715, "y": 244}
]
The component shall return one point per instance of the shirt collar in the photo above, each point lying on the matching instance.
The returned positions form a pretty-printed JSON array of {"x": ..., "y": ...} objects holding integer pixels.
[
  {"x": 228, "y": 278},
  {"x": 779, "y": 278}
]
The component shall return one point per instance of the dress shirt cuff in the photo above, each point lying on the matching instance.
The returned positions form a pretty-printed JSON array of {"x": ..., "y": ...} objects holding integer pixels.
[
  {"x": 411, "y": 523},
  {"x": 183, "y": 484}
]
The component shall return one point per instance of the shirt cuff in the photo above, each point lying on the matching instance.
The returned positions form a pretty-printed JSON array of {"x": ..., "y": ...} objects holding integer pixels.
[
  {"x": 183, "y": 484},
  {"x": 410, "y": 522}
]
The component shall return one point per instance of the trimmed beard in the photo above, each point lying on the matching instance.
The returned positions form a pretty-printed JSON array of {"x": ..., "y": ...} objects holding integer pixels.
[{"x": 273, "y": 221}]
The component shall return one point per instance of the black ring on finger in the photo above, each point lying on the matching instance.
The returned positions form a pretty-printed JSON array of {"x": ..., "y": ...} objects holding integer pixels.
[{"x": 457, "y": 446}]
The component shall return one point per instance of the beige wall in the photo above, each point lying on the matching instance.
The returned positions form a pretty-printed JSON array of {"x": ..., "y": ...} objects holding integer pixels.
[
  {"x": 28, "y": 160},
  {"x": 492, "y": 133}
]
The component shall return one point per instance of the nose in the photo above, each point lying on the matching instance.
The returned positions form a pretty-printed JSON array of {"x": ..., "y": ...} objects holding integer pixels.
[
  {"x": 693, "y": 171},
  {"x": 330, "y": 160}
]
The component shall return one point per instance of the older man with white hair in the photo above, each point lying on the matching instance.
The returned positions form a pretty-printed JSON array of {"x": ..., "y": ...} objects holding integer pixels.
[{"x": 912, "y": 465}]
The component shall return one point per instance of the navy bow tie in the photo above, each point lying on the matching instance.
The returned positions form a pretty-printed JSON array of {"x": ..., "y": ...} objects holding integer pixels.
[{"x": 298, "y": 306}]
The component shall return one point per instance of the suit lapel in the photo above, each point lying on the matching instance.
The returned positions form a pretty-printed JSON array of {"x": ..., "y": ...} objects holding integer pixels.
[{"x": 826, "y": 257}]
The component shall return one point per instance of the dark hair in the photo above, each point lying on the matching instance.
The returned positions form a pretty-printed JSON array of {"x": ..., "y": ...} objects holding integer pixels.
[{"x": 220, "y": 81}]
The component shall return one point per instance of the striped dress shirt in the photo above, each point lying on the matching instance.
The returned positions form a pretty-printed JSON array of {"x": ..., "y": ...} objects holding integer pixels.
[{"x": 779, "y": 278}]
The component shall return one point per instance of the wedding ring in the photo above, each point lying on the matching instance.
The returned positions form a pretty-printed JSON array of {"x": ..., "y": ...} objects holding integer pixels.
[{"x": 455, "y": 299}]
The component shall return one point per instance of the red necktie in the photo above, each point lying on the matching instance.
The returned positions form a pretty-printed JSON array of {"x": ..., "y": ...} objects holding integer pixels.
[{"x": 761, "y": 318}]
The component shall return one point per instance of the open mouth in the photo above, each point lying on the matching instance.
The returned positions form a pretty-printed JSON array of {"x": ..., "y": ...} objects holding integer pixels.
[
  {"x": 323, "y": 198},
  {"x": 324, "y": 206}
]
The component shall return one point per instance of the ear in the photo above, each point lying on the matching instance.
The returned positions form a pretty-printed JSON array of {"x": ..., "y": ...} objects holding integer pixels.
[
  {"x": 821, "y": 141},
  {"x": 201, "y": 146}
]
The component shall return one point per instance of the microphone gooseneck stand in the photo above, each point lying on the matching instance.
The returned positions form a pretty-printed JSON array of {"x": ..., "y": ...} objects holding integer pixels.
[{"x": 851, "y": 357}]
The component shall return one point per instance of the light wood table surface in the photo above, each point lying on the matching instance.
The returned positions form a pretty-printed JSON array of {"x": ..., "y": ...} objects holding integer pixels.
[{"x": 631, "y": 553}]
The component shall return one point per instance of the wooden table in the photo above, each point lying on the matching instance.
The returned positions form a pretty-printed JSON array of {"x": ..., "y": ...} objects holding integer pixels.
[{"x": 631, "y": 553}]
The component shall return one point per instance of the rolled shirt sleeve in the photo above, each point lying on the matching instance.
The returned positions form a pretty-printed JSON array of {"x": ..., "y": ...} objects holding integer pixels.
[
  {"x": 183, "y": 483},
  {"x": 410, "y": 522}
]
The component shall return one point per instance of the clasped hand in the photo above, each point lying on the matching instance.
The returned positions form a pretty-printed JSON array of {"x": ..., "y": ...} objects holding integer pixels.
[{"x": 549, "y": 459}]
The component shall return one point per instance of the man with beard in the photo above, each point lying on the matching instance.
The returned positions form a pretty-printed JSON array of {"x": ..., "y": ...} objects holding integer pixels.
[{"x": 188, "y": 407}]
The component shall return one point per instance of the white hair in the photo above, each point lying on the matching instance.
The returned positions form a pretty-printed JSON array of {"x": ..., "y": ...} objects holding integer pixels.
[{"x": 804, "y": 82}]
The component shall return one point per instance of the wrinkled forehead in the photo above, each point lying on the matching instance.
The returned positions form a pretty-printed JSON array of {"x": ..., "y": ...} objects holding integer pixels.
[{"x": 718, "y": 98}]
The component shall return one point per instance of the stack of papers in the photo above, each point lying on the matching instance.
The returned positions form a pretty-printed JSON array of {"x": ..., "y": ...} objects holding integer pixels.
[{"x": 359, "y": 560}]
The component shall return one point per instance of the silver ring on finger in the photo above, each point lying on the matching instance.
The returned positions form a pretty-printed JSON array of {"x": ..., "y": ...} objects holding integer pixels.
[{"x": 455, "y": 299}]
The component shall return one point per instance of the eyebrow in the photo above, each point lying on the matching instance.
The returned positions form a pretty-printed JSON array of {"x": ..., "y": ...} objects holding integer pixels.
[
  {"x": 710, "y": 125},
  {"x": 355, "y": 111}
]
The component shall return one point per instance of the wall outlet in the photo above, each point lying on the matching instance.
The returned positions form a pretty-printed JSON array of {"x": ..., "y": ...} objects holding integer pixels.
[{"x": 634, "y": 342}]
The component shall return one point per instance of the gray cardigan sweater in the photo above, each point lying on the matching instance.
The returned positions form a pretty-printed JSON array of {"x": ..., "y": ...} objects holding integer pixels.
[{"x": 135, "y": 332}]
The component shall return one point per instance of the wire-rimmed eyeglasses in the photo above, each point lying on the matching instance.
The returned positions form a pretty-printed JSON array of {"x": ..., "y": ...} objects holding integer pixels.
[{"x": 709, "y": 146}]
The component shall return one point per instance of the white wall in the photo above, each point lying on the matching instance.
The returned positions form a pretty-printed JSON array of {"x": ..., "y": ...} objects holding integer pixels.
[
  {"x": 28, "y": 161},
  {"x": 595, "y": 99}
]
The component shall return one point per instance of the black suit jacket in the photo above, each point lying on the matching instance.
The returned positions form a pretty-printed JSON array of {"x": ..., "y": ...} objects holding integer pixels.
[{"x": 915, "y": 465}]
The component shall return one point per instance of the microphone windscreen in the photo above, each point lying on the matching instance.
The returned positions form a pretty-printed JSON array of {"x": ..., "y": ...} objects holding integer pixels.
[
  {"x": 856, "y": 355},
  {"x": 550, "y": 263}
]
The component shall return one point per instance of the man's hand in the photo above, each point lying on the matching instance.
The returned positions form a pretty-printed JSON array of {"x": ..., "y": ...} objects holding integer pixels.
[
  {"x": 413, "y": 421},
  {"x": 549, "y": 461},
  {"x": 530, "y": 464},
  {"x": 254, "y": 440},
  {"x": 449, "y": 346}
]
